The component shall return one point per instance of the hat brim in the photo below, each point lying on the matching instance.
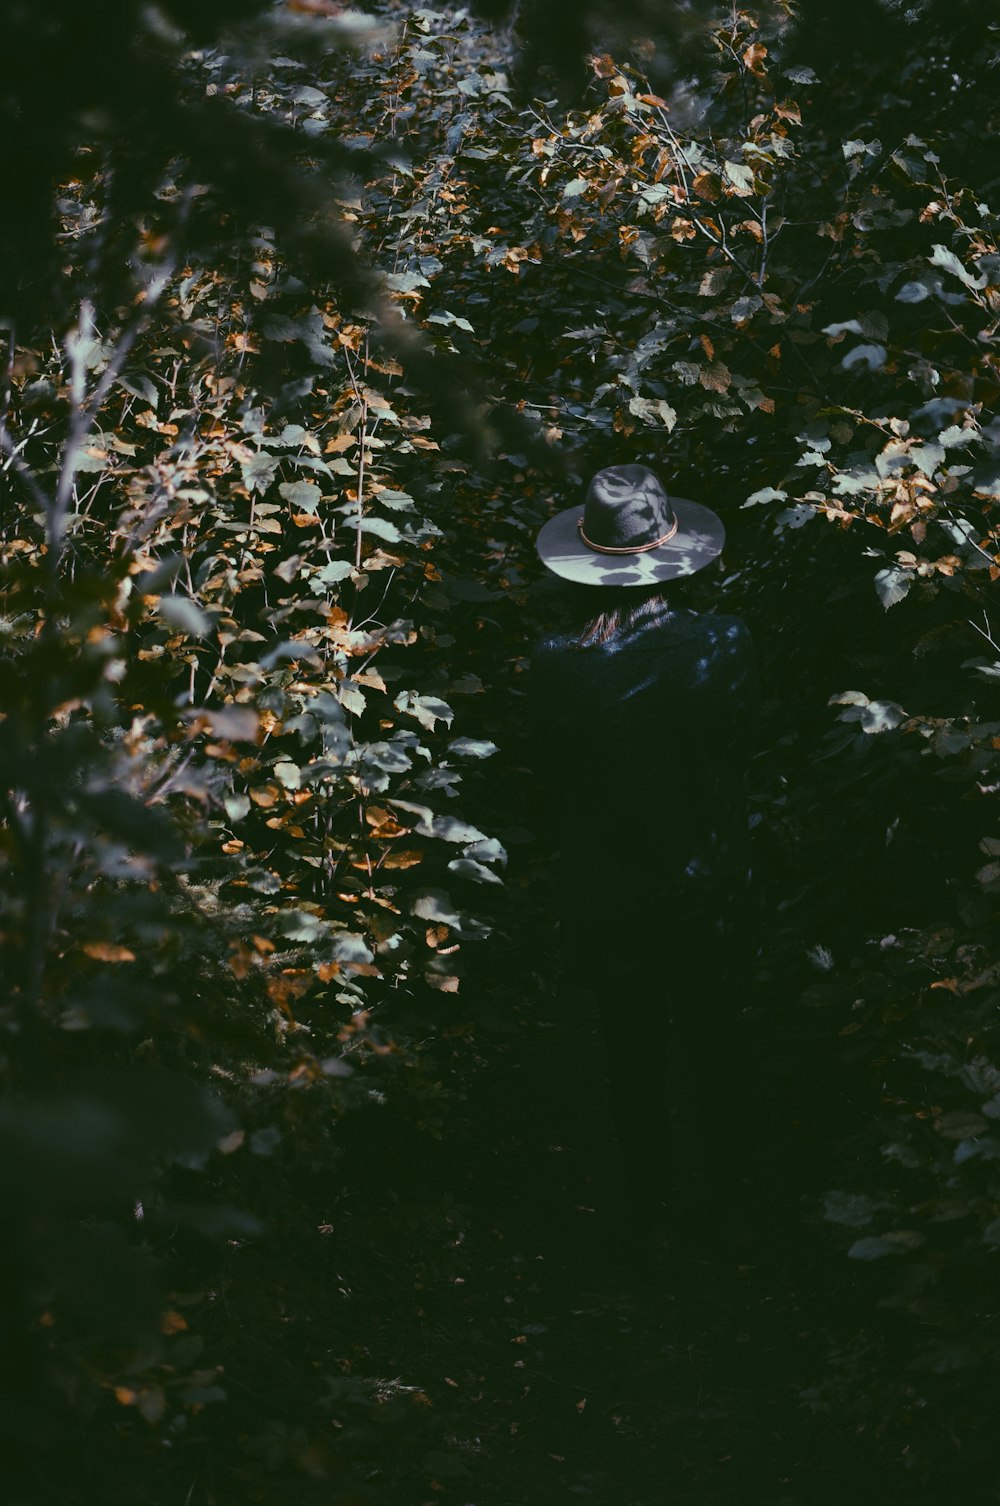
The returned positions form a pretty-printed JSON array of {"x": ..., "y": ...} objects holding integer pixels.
[{"x": 699, "y": 539}]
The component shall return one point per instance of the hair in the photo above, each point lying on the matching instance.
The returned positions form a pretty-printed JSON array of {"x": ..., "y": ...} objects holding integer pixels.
[{"x": 618, "y": 607}]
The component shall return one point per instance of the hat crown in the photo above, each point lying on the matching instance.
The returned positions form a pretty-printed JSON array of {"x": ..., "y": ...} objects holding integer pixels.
[{"x": 626, "y": 507}]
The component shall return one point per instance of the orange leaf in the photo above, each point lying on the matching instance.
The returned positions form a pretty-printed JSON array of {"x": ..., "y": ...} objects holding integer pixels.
[
  {"x": 173, "y": 1322},
  {"x": 288, "y": 986},
  {"x": 754, "y": 57},
  {"x": 107, "y": 951},
  {"x": 715, "y": 377},
  {"x": 404, "y": 857},
  {"x": 706, "y": 186}
]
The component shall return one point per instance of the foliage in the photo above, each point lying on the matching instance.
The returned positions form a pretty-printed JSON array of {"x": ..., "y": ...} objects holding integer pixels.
[{"x": 332, "y": 328}]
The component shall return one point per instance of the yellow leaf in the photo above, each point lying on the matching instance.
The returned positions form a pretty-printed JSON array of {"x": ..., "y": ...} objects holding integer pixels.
[
  {"x": 107, "y": 951},
  {"x": 403, "y": 858}
]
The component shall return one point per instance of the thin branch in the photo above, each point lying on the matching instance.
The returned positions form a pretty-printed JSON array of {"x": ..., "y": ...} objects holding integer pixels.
[{"x": 21, "y": 469}]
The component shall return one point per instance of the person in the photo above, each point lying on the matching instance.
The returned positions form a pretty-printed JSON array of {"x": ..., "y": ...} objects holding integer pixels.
[{"x": 644, "y": 717}]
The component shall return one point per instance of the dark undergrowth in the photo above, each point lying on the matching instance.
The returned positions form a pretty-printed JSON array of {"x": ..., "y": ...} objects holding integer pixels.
[{"x": 445, "y": 1306}]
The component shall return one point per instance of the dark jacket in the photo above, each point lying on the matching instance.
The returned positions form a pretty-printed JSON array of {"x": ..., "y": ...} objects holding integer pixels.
[{"x": 642, "y": 743}]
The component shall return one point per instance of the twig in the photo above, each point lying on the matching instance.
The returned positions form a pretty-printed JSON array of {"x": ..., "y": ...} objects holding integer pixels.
[{"x": 362, "y": 438}]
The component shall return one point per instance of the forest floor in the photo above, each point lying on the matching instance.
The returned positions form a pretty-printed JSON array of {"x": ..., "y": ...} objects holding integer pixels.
[{"x": 443, "y": 1308}]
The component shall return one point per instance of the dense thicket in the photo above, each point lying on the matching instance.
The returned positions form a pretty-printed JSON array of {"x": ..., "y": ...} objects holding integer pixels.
[{"x": 308, "y": 315}]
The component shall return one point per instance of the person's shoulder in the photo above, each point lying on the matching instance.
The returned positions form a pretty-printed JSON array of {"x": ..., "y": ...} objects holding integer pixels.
[
  {"x": 552, "y": 646},
  {"x": 687, "y": 623},
  {"x": 724, "y": 627}
]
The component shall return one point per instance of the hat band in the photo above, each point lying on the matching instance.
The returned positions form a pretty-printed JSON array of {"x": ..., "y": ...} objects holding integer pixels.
[{"x": 628, "y": 548}]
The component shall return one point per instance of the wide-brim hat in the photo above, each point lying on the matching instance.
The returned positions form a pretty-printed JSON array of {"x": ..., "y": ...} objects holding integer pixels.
[{"x": 629, "y": 532}]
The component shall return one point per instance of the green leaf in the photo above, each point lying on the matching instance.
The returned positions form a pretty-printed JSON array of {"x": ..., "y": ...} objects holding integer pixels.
[
  {"x": 766, "y": 494},
  {"x": 881, "y": 716},
  {"x": 447, "y": 318},
  {"x": 986, "y": 481},
  {"x": 264, "y": 1142},
  {"x": 141, "y": 387},
  {"x": 349, "y": 946},
  {"x": 289, "y": 773},
  {"x": 185, "y": 615},
  {"x": 436, "y": 905},
  {"x": 395, "y": 500},
  {"x": 329, "y": 574},
  {"x": 961, "y": 1125},
  {"x": 872, "y": 356},
  {"x": 942, "y": 257},
  {"x": 351, "y": 697},
  {"x": 653, "y": 411},
  {"x": 746, "y": 307},
  {"x": 915, "y": 291},
  {"x": 487, "y": 850},
  {"x": 304, "y": 496},
  {"x": 446, "y": 827},
  {"x": 406, "y": 282},
  {"x": 891, "y": 584},
  {"x": 259, "y": 471},
  {"x": 471, "y": 747},
  {"x": 739, "y": 177},
  {"x": 872, "y": 1248},
  {"x": 300, "y": 925},
  {"x": 382, "y": 529},
  {"x": 854, "y": 1209},
  {"x": 235, "y": 723},
  {"x": 470, "y": 869},
  {"x": 428, "y": 710},
  {"x": 859, "y": 148},
  {"x": 927, "y": 457}
]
